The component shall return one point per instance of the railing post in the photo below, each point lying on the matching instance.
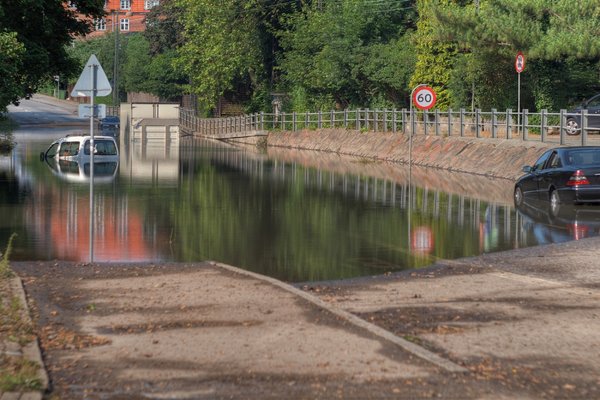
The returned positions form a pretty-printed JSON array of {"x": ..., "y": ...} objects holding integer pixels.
[
  {"x": 357, "y": 115},
  {"x": 332, "y": 119},
  {"x": 403, "y": 118},
  {"x": 320, "y": 120},
  {"x": 543, "y": 124},
  {"x": 385, "y": 120},
  {"x": 437, "y": 122},
  {"x": 283, "y": 121},
  {"x": 376, "y": 120},
  {"x": 525, "y": 124},
  {"x": 413, "y": 122},
  {"x": 425, "y": 121},
  {"x": 262, "y": 121},
  {"x": 509, "y": 118},
  {"x": 394, "y": 120},
  {"x": 477, "y": 122},
  {"x": 294, "y": 118},
  {"x": 584, "y": 127},
  {"x": 494, "y": 123},
  {"x": 345, "y": 118},
  {"x": 462, "y": 122},
  {"x": 306, "y": 120},
  {"x": 367, "y": 119},
  {"x": 449, "y": 122},
  {"x": 562, "y": 125}
]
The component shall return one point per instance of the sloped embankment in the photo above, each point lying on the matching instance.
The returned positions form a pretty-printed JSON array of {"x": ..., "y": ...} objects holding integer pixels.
[{"x": 499, "y": 158}]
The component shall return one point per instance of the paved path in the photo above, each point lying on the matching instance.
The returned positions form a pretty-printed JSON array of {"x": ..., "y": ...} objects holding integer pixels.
[{"x": 521, "y": 324}]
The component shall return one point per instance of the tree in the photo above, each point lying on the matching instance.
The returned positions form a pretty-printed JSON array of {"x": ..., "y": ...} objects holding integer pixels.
[
  {"x": 558, "y": 37},
  {"x": 347, "y": 52},
  {"x": 11, "y": 58},
  {"x": 44, "y": 28}
]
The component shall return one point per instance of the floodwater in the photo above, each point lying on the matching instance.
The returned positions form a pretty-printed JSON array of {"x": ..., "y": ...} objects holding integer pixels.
[{"x": 297, "y": 216}]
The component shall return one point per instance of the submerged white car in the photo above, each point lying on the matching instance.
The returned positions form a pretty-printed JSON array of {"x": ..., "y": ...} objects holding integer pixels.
[
  {"x": 77, "y": 148},
  {"x": 69, "y": 158}
]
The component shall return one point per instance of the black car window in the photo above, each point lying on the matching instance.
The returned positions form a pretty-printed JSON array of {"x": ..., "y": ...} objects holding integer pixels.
[
  {"x": 554, "y": 161},
  {"x": 539, "y": 164},
  {"x": 584, "y": 157}
]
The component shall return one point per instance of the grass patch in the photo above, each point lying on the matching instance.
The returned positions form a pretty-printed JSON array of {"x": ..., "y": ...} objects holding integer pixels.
[
  {"x": 5, "y": 271},
  {"x": 13, "y": 325},
  {"x": 17, "y": 373}
]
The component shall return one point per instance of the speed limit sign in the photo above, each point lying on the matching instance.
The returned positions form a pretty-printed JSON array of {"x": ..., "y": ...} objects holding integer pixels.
[
  {"x": 424, "y": 97},
  {"x": 519, "y": 62}
]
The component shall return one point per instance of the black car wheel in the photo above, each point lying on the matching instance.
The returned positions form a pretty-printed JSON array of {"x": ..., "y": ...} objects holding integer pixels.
[
  {"x": 518, "y": 196},
  {"x": 554, "y": 202},
  {"x": 572, "y": 127}
]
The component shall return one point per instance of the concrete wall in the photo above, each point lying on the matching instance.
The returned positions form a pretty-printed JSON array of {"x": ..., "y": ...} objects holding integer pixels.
[{"x": 499, "y": 158}]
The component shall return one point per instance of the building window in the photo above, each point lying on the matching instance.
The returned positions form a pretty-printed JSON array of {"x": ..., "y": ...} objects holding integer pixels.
[
  {"x": 125, "y": 4},
  {"x": 148, "y": 4},
  {"x": 124, "y": 24},
  {"x": 100, "y": 24}
]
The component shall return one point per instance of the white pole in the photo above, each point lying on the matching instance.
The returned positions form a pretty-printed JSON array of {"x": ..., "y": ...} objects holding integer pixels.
[
  {"x": 519, "y": 102},
  {"x": 93, "y": 69}
]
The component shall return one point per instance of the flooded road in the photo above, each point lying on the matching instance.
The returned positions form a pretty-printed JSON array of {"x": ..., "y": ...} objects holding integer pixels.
[{"x": 296, "y": 216}]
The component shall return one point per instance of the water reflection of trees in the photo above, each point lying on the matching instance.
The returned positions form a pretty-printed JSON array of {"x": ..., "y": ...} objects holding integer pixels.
[{"x": 303, "y": 223}]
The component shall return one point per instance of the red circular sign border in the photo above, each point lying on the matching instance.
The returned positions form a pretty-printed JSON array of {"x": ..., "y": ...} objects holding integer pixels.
[
  {"x": 524, "y": 62},
  {"x": 432, "y": 92}
]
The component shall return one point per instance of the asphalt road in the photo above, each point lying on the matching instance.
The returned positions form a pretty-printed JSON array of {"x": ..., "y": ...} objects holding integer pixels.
[{"x": 43, "y": 110}]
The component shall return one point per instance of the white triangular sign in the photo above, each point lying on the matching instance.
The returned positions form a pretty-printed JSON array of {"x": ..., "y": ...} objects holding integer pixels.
[{"x": 85, "y": 84}]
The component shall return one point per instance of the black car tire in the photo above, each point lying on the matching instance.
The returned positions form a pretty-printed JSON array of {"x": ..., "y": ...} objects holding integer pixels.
[
  {"x": 554, "y": 203},
  {"x": 572, "y": 127},
  {"x": 518, "y": 196}
]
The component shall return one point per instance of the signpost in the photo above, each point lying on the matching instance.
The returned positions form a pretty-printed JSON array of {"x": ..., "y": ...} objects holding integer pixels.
[
  {"x": 519, "y": 67},
  {"x": 424, "y": 98},
  {"x": 91, "y": 83}
]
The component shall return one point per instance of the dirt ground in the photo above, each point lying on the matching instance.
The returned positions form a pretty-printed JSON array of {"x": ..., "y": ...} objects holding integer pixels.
[{"x": 523, "y": 324}]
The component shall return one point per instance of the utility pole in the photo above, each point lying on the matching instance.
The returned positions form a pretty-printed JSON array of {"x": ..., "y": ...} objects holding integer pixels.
[
  {"x": 473, "y": 83},
  {"x": 116, "y": 29}
]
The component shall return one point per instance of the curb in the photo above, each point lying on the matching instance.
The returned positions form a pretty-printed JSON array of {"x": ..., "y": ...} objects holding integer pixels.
[
  {"x": 31, "y": 351},
  {"x": 353, "y": 319}
]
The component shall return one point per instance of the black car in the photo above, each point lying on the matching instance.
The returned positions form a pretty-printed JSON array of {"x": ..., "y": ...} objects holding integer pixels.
[
  {"x": 562, "y": 175},
  {"x": 592, "y": 105},
  {"x": 110, "y": 122}
]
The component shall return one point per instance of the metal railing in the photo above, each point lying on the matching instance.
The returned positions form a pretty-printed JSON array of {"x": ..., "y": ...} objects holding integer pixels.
[{"x": 542, "y": 126}]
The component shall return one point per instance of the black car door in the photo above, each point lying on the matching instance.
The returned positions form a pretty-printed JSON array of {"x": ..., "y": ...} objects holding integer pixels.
[
  {"x": 549, "y": 174},
  {"x": 531, "y": 184}
]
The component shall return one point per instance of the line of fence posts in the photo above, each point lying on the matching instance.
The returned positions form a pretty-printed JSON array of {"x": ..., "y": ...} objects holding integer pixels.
[{"x": 494, "y": 124}]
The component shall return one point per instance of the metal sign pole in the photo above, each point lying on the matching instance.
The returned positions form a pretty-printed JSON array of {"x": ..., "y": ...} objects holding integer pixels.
[
  {"x": 93, "y": 69},
  {"x": 519, "y": 103}
]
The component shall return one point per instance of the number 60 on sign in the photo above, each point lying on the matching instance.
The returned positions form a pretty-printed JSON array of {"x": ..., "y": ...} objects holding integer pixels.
[{"x": 424, "y": 98}]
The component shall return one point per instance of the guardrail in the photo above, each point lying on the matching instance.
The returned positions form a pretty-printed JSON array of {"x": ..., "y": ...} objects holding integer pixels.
[{"x": 493, "y": 124}]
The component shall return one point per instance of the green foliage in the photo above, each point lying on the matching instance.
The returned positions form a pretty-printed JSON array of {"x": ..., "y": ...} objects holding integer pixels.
[
  {"x": 33, "y": 39},
  {"x": 347, "y": 50},
  {"x": 558, "y": 38},
  {"x": 223, "y": 43},
  {"x": 11, "y": 63}
]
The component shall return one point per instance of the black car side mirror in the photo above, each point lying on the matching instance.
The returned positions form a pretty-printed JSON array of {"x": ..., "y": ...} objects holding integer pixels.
[{"x": 527, "y": 169}]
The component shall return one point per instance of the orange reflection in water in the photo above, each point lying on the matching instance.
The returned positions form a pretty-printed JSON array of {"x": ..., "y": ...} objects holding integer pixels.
[{"x": 118, "y": 230}]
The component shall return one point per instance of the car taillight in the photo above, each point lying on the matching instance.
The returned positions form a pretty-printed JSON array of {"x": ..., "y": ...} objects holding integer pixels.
[{"x": 578, "y": 178}]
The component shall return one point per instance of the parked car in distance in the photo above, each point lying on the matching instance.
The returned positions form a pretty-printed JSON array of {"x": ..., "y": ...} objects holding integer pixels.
[
  {"x": 110, "y": 122},
  {"x": 574, "y": 123},
  {"x": 562, "y": 175}
]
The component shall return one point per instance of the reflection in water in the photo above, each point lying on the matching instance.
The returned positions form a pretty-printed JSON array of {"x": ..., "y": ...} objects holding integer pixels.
[
  {"x": 296, "y": 215},
  {"x": 79, "y": 171},
  {"x": 567, "y": 223}
]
